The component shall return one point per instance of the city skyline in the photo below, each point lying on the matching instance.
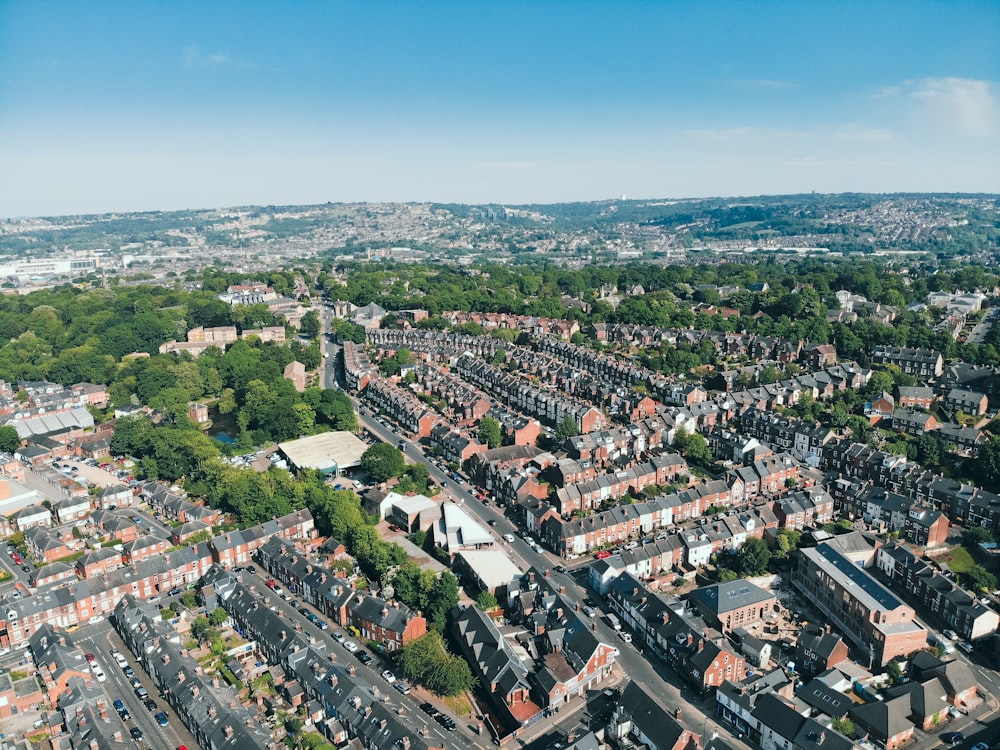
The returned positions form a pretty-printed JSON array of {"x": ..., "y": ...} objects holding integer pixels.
[{"x": 120, "y": 107}]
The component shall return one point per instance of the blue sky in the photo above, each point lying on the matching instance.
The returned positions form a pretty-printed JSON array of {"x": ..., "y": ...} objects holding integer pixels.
[{"x": 115, "y": 106}]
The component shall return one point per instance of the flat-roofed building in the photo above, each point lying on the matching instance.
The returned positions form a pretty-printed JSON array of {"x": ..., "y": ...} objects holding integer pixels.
[
  {"x": 861, "y": 608},
  {"x": 328, "y": 452},
  {"x": 491, "y": 570}
]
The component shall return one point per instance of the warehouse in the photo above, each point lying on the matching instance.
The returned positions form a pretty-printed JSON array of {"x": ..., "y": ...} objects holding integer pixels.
[{"x": 328, "y": 452}]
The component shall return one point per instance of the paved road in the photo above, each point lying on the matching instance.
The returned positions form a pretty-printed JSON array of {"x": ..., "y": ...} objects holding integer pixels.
[
  {"x": 372, "y": 672},
  {"x": 99, "y": 640},
  {"x": 697, "y": 715}
]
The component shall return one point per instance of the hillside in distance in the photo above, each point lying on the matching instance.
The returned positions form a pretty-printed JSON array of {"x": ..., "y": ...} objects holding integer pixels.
[{"x": 938, "y": 223}]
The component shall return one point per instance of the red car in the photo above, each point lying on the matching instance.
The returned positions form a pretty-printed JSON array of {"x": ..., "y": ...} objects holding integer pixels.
[
  {"x": 90, "y": 657},
  {"x": 602, "y": 554}
]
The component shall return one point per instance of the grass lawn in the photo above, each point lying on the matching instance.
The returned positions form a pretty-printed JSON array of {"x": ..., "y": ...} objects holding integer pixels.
[
  {"x": 459, "y": 704},
  {"x": 958, "y": 560}
]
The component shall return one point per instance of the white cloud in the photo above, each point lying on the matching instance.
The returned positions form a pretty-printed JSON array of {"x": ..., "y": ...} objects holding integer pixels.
[
  {"x": 193, "y": 58},
  {"x": 969, "y": 106},
  {"x": 854, "y": 132}
]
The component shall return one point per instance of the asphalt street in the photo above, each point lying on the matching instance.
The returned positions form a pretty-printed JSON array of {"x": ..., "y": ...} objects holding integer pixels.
[
  {"x": 100, "y": 640},
  {"x": 372, "y": 672}
]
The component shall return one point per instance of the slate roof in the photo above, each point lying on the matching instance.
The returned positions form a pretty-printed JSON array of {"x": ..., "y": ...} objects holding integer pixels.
[
  {"x": 884, "y": 719},
  {"x": 725, "y": 597},
  {"x": 652, "y": 719},
  {"x": 825, "y": 699}
]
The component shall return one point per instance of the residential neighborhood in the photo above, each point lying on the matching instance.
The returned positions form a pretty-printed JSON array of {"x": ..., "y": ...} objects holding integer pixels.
[{"x": 502, "y": 530}]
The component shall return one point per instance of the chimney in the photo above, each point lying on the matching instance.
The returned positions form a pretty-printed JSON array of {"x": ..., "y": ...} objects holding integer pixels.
[
  {"x": 117, "y": 736},
  {"x": 701, "y": 643},
  {"x": 166, "y": 659},
  {"x": 666, "y": 617},
  {"x": 385, "y": 612},
  {"x": 212, "y": 711},
  {"x": 94, "y": 745},
  {"x": 102, "y": 708},
  {"x": 229, "y": 731}
]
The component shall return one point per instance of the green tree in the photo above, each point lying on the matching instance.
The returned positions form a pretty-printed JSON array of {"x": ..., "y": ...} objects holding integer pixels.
[
  {"x": 189, "y": 600},
  {"x": 441, "y": 599},
  {"x": 217, "y": 617},
  {"x": 976, "y": 535},
  {"x": 9, "y": 439},
  {"x": 567, "y": 428},
  {"x": 843, "y": 725},
  {"x": 980, "y": 579},
  {"x": 692, "y": 446},
  {"x": 310, "y": 327},
  {"x": 787, "y": 542},
  {"x": 753, "y": 557},
  {"x": 427, "y": 661},
  {"x": 489, "y": 432},
  {"x": 202, "y": 630},
  {"x": 383, "y": 461},
  {"x": 486, "y": 601}
]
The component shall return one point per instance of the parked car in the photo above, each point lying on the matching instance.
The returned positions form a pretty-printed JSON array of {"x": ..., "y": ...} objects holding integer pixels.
[
  {"x": 351, "y": 646},
  {"x": 430, "y": 709},
  {"x": 137, "y": 734},
  {"x": 589, "y": 611},
  {"x": 141, "y": 693},
  {"x": 627, "y": 637},
  {"x": 388, "y": 676},
  {"x": 118, "y": 704},
  {"x": 150, "y": 705},
  {"x": 953, "y": 738},
  {"x": 364, "y": 657},
  {"x": 447, "y": 722},
  {"x": 339, "y": 637},
  {"x": 161, "y": 719},
  {"x": 402, "y": 687},
  {"x": 966, "y": 647}
]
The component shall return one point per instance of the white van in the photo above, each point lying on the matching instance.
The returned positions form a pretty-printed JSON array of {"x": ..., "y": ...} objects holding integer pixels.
[{"x": 614, "y": 622}]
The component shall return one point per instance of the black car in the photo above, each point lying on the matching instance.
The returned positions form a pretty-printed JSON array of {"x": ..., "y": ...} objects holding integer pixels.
[
  {"x": 430, "y": 709},
  {"x": 251, "y": 569},
  {"x": 136, "y": 734},
  {"x": 447, "y": 722},
  {"x": 560, "y": 568},
  {"x": 953, "y": 738},
  {"x": 150, "y": 704},
  {"x": 364, "y": 657}
]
